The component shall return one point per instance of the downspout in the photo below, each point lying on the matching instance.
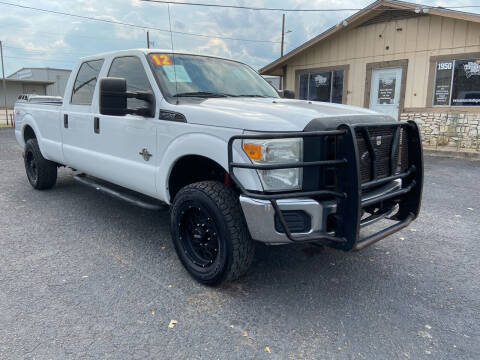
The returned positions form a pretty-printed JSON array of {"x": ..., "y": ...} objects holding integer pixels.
[{"x": 283, "y": 83}]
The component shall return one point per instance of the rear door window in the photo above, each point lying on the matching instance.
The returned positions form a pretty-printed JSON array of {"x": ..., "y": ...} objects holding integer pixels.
[{"x": 84, "y": 86}]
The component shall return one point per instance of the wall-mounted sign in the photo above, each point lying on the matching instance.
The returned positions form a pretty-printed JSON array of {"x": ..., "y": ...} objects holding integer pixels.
[{"x": 386, "y": 90}]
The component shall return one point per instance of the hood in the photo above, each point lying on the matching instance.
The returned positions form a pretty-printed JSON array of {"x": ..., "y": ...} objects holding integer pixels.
[{"x": 267, "y": 114}]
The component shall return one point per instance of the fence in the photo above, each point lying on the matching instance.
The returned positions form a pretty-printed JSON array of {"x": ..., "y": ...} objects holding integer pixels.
[{"x": 6, "y": 120}]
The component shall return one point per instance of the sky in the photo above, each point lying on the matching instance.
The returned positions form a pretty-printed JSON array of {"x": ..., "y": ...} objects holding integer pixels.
[{"x": 37, "y": 39}]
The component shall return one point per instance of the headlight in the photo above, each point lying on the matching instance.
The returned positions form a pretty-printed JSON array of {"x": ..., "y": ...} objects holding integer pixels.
[{"x": 277, "y": 151}]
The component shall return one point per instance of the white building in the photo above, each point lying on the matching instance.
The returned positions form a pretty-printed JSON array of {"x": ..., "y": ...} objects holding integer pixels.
[
  {"x": 57, "y": 78},
  {"x": 16, "y": 87}
]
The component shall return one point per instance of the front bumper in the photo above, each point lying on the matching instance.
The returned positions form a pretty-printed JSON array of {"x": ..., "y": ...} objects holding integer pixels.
[
  {"x": 350, "y": 197},
  {"x": 260, "y": 214}
]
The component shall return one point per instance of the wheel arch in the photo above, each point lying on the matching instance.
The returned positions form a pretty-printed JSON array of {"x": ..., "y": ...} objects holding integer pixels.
[
  {"x": 212, "y": 149},
  {"x": 28, "y": 133},
  {"x": 30, "y": 130},
  {"x": 192, "y": 168}
]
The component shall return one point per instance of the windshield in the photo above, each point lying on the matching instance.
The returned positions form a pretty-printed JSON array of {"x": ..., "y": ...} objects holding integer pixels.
[{"x": 200, "y": 76}]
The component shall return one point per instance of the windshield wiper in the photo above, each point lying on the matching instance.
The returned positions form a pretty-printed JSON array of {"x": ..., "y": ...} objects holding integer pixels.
[
  {"x": 200, "y": 94},
  {"x": 213, "y": 94},
  {"x": 251, "y": 95}
]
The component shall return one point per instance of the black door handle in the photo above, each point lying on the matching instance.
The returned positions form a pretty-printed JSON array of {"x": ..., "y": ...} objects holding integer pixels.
[
  {"x": 96, "y": 125},
  {"x": 65, "y": 121}
]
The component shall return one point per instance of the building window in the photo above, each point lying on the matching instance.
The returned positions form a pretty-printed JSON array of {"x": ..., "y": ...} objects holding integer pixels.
[
  {"x": 457, "y": 83},
  {"x": 324, "y": 86}
]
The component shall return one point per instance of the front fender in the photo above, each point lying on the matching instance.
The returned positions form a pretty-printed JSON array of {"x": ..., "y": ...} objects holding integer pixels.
[{"x": 206, "y": 145}]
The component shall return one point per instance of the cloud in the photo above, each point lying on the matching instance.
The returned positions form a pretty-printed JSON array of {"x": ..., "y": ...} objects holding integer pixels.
[
  {"x": 217, "y": 47},
  {"x": 33, "y": 38}
]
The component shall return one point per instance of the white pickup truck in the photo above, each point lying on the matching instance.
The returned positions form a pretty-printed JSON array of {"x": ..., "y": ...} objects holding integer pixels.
[{"x": 234, "y": 162}]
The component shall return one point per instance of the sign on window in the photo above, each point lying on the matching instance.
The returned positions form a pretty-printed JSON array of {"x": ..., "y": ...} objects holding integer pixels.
[
  {"x": 443, "y": 83},
  {"x": 457, "y": 83},
  {"x": 324, "y": 86},
  {"x": 386, "y": 90},
  {"x": 466, "y": 83}
]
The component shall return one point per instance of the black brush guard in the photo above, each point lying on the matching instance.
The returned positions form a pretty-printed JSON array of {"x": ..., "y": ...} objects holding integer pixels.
[{"x": 349, "y": 189}]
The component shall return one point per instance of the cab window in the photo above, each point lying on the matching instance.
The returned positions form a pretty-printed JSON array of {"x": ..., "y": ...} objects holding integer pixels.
[
  {"x": 84, "y": 86},
  {"x": 131, "y": 69}
]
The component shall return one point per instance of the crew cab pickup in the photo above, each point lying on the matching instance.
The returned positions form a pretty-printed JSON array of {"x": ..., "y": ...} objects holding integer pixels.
[{"x": 234, "y": 162}]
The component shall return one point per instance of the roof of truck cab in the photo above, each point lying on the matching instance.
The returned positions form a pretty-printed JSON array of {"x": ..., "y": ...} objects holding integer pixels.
[{"x": 149, "y": 51}]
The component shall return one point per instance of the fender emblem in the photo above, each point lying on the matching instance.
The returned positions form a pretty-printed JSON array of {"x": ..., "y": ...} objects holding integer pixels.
[{"x": 145, "y": 154}]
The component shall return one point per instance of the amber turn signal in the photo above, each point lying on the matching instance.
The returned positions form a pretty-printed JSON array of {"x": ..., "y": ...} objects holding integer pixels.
[{"x": 254, "y": 151}]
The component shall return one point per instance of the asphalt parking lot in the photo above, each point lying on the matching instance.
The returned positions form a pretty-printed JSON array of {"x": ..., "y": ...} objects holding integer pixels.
[{"x": 85, "y": 276}]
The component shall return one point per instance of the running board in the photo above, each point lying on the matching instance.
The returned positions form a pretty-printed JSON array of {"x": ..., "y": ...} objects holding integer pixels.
[{"x": 121, "y": 193}]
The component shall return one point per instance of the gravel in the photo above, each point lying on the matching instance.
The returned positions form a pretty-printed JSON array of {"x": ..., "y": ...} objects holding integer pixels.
[{"x": 85, "y": 276}]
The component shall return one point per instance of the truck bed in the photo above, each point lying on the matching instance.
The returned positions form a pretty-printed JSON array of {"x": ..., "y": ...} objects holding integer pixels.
[{"x": 43, "y": 114}]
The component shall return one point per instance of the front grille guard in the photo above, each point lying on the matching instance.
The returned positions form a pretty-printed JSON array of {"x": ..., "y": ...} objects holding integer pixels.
[{"x": 348, "y": 191}]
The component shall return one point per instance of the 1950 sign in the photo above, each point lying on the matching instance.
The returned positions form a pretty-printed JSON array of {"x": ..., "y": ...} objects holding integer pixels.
[{"x": 442, "y": 85}]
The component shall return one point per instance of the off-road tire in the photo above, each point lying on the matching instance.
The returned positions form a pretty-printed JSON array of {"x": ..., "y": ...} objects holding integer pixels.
[
  {"x": 41, "y": 173},
  {"x": 236, "y": 248}
]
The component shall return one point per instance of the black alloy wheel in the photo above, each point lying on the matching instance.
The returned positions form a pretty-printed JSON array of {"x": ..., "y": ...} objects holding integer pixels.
[
  {"x": 209, "y": 232},
  {"x": 41, "y": 173},
  {"x": 199, "y": 234},
  {"x": 31, "y": 166}
]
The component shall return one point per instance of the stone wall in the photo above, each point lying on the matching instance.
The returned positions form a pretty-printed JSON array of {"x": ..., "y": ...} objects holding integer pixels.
[{"x": 460, "y": 130}]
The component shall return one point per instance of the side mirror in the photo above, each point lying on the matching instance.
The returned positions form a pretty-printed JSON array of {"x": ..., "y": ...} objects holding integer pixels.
[
  {"x": 114, "y": 95},
  {"x": 287, "y": 94}
]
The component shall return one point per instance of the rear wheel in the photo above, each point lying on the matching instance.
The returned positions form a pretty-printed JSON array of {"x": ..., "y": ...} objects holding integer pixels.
[
  {"x": 41, "y": 173},
  {"x": 209, "y": 232}
]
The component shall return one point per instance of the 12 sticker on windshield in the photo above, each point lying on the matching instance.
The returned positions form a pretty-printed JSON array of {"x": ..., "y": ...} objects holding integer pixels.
[
  {"x": 175, "y": 73},
  {"x": 161, "y": 59}
]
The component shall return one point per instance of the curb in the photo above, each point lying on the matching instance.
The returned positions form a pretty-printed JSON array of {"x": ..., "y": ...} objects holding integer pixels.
[{"x": 452, "y": 154}]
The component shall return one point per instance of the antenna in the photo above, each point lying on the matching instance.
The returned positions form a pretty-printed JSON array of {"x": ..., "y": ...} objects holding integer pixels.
[{"x": 173, "y": 54}]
